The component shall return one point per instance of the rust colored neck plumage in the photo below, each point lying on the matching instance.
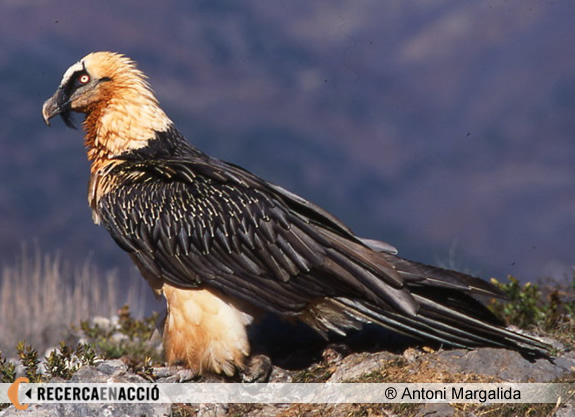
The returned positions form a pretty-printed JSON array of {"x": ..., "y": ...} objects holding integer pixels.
[
  {"x": 121, "y": 122},
  {"x": 96, "y": 150}
]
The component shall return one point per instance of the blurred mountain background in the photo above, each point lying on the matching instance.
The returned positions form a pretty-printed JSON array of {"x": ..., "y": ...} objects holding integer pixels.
[{"x": 445, "y": 128}]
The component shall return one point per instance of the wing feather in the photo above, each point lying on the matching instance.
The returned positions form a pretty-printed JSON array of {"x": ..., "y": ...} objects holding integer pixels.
[
  {"x": 197, "y": 221},
  {"x": 198, "y": 224}
]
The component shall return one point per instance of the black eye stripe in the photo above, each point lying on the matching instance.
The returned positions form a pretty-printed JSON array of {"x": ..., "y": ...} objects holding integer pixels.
[{"x": 74, "y": 81}]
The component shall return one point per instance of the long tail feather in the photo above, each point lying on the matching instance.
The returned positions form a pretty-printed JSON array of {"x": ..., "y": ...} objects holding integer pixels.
[{"x": 445, "y": 325}]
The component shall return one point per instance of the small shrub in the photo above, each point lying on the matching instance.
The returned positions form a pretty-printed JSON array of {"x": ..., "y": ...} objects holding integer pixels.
[
  {"x": 65, "y": 361},
  {"x": 29, "y": 358},
  {"x": 543, "y": 308},
  {"x": 128, "y": 339},
  {"x": 525, "y": 308},
  {"x": 7, "y": 371}
]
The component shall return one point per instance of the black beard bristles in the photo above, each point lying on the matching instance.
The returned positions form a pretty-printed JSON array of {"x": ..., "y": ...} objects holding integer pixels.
[{"x": 69, "y": 119}]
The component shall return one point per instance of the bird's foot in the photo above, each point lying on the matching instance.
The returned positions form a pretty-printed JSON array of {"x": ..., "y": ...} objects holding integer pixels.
[
  {"x": 335, "y": 352},
  {"x": 258, "y": 369}
]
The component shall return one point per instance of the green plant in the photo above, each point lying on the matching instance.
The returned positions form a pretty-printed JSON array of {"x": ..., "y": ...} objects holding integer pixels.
[
  {"x": 65, "y": 361},
  {"x": 30, "y": 361},
  {"x": 548, "y": 308},
  {"x": 525, "y": 307},
  {"x": 136, "y": 329},
  {"x": 7, "y": 370},
  {"x": 129, "y": 339}
]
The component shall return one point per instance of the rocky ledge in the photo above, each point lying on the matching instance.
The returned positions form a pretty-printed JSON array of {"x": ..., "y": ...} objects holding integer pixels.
[{"x": 480, "y": 365}]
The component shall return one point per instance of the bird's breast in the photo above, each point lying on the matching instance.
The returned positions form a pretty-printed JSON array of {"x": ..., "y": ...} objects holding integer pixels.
[{"x": 206, "y": 329}]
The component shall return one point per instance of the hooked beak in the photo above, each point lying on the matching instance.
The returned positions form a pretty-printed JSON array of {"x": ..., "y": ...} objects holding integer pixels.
[
  {"x": 51, "y": 108},
  {"x": 56, "y": 105}
]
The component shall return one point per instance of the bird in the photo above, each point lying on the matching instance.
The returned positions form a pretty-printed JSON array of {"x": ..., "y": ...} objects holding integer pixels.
[{"x": 224, "y": 246}]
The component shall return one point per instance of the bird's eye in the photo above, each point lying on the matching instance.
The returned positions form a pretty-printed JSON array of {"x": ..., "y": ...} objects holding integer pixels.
[{"x": 84, "y": 79}]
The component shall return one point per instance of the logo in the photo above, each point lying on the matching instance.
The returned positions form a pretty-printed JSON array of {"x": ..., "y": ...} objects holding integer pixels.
[{"x": 13, "y": 393}]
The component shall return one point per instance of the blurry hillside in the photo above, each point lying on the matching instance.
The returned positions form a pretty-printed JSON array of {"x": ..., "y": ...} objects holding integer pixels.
[{"x": 445, "y": 128}]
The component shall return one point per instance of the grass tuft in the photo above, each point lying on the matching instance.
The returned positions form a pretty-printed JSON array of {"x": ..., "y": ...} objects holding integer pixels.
[{"x": 41, "y": 296}]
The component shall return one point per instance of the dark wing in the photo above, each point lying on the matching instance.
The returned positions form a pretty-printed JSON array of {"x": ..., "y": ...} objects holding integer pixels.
[
  {"x": 200, "y": 221},
  {"x": 203, "y": 222}
]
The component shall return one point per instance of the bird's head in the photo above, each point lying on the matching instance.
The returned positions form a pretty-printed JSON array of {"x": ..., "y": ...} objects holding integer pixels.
[
  {"x": 122, "y": 111},
  {"x": 90, "y": 82}
]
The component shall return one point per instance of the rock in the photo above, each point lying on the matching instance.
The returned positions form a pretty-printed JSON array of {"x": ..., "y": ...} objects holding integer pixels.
[
  {"x": 173, "y": 374},
  {"x": 504, "y": 364},
  {"x": 212, "y": 410},
  {"x": 567, "y": 410},
  {"x": 103, "y": 323},
  {"x": 119, "y": 338},
  {"x": 107, "y": 371},
  {"x": 411, "y": 366},
  {"x": 92, "y": 410},
  {"x": 358, "y": 364},
  {"x": 280, "y": 375},
  {"x": 436, "y": 410},
  {"x": 109, "y": 367}
]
